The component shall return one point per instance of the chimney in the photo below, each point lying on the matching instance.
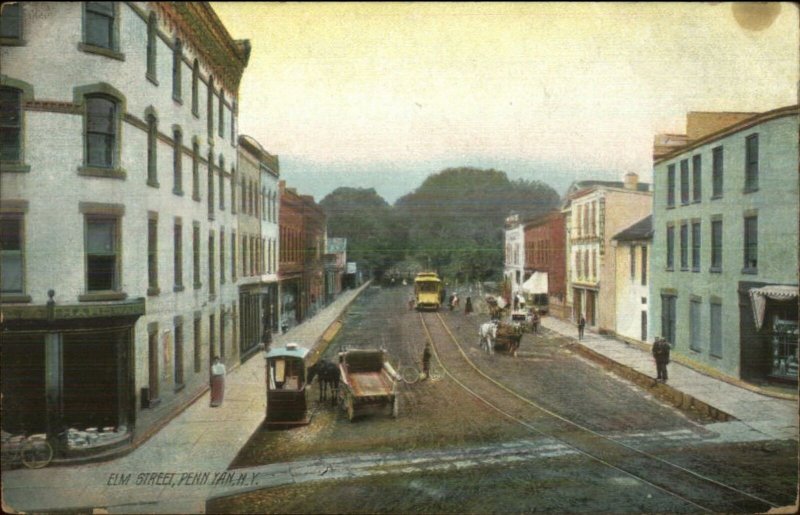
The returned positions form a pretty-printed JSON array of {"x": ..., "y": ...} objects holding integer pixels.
[{"x": 631, "y": 181}]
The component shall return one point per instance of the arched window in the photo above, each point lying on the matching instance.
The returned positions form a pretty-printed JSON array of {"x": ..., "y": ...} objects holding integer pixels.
[
  {"x": 101, "y": 131},
  {"x": 152, "y": 39},
  {"x": 10, "y": 124},
  {"x": 177, "y": 66},
  {"x": 177, "y": 161},
  {"x": 195, "y": 85},
  {"x": 152, "y": 150}
]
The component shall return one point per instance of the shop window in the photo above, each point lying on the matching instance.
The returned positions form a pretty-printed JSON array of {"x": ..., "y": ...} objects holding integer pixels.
[
  {"x": 102, "y": 254},
  {"x": 23, "y": 383},
  {"x": 784, "y": 348},
  {"x": 12, "y": 275}
]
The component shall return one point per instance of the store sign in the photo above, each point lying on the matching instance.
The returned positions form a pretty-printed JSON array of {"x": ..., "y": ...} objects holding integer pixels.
[{"x": 351, "y": 267}]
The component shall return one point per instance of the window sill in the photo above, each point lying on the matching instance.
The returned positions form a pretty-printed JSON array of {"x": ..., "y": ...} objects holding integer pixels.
[
  {"x": 178, "y": 287},
  {"x": 101, "y": 296},
  {"x": 152, "y": 79},
  {"x": 750, "y": 190},
  {"x": 12, "y": 42},
  {"x": 178, "y": 192},
  {"x": 684, "y": 269},
  {"x": 197, "y": 286},
  {"x": 196, "y": 198},
  {"x": 669, "y": 269},
  {"x": 716, "y": 197},
  {"x": 108, "y": 173},
  {"x": 750, "y": 271},
  {"x": 211, "y": 217},
  {"x": 14, "y": 168},
  {"x": 212, "y": 297},
  {"x": 671, "y": 206},
  {"x": 195, "y": 113},
  {"x": 695, "y": 270},
  {"x": 153, "y": 291},
  {"x": 153, "y": 403},
  {"x": 715, "y": 270},
  {"x": 153, "y": 183},
  {"x": 685, "y": 203},
  {"x": 98, "y": 50},
  {"x": 14, "y": 298},
  {"x": 178, "y": 100},
  {"x": 696, "y": 201},
  {"x": 179, "y": 387}
]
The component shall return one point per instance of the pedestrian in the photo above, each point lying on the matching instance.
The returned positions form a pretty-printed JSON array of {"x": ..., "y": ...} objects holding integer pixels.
[
  {"x": 217, "y": 383},
  {"x": 450, "y": 301},
  {"x": 581, "y": 325},
  {"x": 426, "y": 360},
  {"x": 411, "y": 303},
  {"x": 468, "y": 306},
  {"x": 661, "y": 355},
  {"x": 535, "y": 321}
]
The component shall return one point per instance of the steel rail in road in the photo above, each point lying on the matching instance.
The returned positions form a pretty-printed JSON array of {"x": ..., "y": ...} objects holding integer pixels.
[{"x": 576, "y": 425}]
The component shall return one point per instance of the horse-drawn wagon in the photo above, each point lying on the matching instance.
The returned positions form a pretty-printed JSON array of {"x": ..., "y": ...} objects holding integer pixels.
[
  {"x": 286, "y": 386},
  {"x": 367, "y": 382},
  {"x": 503, "y": 336}
]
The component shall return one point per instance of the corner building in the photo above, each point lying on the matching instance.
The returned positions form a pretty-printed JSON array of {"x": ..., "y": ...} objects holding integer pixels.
[
  {"x": 724, "y": 261},
  {"x": 118, "y": 161}
]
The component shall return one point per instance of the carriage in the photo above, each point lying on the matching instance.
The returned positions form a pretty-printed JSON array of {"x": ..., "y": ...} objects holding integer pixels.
[
  {"x": 286, "y": 386},
  {"x": 367, "y": 382},
  {"x": 503, "y": 336}
]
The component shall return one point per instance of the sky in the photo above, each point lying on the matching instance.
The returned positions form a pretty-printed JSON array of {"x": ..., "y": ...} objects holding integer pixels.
[{"x": 380, "y": 95}]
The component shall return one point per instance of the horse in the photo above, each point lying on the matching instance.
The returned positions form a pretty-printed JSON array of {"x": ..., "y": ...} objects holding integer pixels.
[
  {"x": 328, "y": 374},
  {"x": 488, "y": 334}
]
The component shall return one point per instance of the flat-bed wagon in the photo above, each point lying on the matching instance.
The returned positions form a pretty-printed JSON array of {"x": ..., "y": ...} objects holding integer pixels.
[
  {"x": 368, "y": 382},
  {"x": 508, "y": 337}
]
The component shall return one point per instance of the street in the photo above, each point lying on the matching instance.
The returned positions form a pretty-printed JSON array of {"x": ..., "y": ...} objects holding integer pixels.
[{"x": 462, "y": 443}]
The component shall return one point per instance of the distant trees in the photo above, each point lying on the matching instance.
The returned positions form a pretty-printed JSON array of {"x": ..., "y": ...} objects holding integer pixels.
[{"x": 452, "y": 223}]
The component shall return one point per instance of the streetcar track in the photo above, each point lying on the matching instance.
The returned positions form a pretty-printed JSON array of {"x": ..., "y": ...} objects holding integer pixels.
[{"x": 592, "y": 437}]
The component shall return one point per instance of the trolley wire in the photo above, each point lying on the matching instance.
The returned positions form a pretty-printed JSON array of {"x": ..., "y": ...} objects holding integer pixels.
[{"x": 576, "y": 425}]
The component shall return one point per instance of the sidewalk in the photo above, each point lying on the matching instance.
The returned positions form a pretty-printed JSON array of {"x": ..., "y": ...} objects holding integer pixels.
[
  {"x": 176, "y": 468},
  {"x": 775, "y": 418}
]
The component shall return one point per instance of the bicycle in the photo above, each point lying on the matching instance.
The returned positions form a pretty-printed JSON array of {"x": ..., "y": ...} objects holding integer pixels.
[{"x": 33, "y": 451}]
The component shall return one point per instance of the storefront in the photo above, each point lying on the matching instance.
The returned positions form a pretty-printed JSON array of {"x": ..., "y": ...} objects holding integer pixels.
[
  {"x": 68, "y": 370},
  {"x": 291, "y": 304},
  {"x": 584, "y": 303},
  {"x": 258, "y": 317},
  {"x": 775, "y": 318}
]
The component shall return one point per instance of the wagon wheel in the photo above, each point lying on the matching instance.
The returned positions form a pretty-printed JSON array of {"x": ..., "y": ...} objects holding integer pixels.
[
  {"x": 395, "y": 406},
  {"x": 351, "y": 411},
  {"x": 36, "y": 454},
  {"x": 409, "y": 374}
]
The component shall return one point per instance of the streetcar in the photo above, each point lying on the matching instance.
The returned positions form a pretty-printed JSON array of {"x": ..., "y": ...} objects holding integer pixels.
[
  {"x": 428, "y": 291},
  {"x": 286, "y": 386}
]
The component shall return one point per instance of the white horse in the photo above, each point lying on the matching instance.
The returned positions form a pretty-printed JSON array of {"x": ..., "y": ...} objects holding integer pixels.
[{"x": 488, "y": 334}]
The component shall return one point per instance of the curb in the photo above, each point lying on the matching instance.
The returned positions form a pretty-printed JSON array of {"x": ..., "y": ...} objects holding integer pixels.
[{"x": 332, "y": 330}]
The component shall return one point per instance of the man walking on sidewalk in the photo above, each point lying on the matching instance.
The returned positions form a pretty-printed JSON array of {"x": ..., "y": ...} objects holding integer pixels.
[
  {"x": 661, "y": 354},
  {"x": 581, "y": 325}
]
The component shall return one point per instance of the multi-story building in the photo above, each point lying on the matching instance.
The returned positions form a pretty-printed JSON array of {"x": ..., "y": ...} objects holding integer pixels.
[
  {"x": 514, "y": 269},
  {"x": 335, "y": 267},
  {"x": 596, "y": 211},
  {"x": 290, "y": 256},
  {"x": 545, "y": 262},
  {"x": 257, "y": 228},
  {"x": 724, "y": 261},
  {"x": 315, "y": 231},
  {"x": 118, "y": 154},
  {"x": 631, "y": 250}
]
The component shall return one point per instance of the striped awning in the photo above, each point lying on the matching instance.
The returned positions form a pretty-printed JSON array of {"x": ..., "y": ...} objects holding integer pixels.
[{"x": 759, "y": 296}]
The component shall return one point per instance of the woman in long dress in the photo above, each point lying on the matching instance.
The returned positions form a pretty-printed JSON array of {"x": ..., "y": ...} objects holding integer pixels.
[{"x": 217, "y": 383}]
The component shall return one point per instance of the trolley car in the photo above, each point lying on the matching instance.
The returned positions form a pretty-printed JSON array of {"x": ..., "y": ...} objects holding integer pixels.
[
  {"x": 428, "y": 291},
  {"x": 286, "y": 386}
]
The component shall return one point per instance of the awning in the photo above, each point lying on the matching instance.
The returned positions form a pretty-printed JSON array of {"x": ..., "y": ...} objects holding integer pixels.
[
  {"x": 759, "y": 296},
  {"x": 536, "y": 284}
]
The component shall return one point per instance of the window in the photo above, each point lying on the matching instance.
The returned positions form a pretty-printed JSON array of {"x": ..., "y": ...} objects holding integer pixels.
[
  {"x": 198, "y": 359},
  {"x": 668, "y": 303},
  {"x": 195, "y": 88},
  {"x": 102, "y": 254},
  {"x": 244, "y": 256},
  {"x": 222, "y": 333},
  {"x": 196, "y": 255},
  {"x": 152, "y": 363},
  {"x": 195, "y": 170},
  {"x": 671, "y": 186},
  {"x": 697, "y": 178},
  {"x": 211, "y": 285},
  {"x": 234, "y": 109},
  {"x": 233, "y": 255},
  {"x": 633, "y": 261},
  {"x": 177, "y": 161},
  {"x": 221, "y": 256},
  {"x": 644, "y": 265},
  {"x": 751, "y": 244},
  {"x": 177, "y": 243},
  {"x": 244, "y": 197},
  {"x": 152, "y": 255},
  {"x": 684, "y": 247},
  {"x": 101, "y": 131},
  {"x": 177, "y": 65},
  {"x": 152, "y": 150},
  {"x": 685, "y": 181},
  {"x": 100, "y": 24},
  {"x": 221, "y": 182},
  {"x": 716, "y": 172},
  {"x": 210, "y": 108},
  {"x": 694, "y": 325},
  {"x": 221, "y": 113},
  {"x": 594, "y": 262},
  {"x": 10, "y": 121},
  {"x": 716, "y": 245},
  {"x": 670, "y": 247},
  {"x": 212, "y": 334},
  {"x": 751, "y": 163},
  {"x": 210, "y": 184},
  {"x": 11, "y": 21},
  {"x": 178, "y": 375},
  {"x": 152, "y": 40},
  {"x": 644, "y": 326},
  {"x": 586, "y": 270},
  {"x": 696, "y": 247},
  {"x": 233, "y": 190},
  {"x": 11, "y": 255},
  {"x": 263, "y": 198},
  {"x": 715, "y": 327}
]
